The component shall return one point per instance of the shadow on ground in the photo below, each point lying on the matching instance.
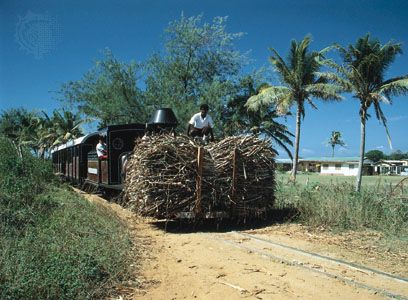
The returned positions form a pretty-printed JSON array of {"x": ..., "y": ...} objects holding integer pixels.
[{"x": 276, "y": 216}]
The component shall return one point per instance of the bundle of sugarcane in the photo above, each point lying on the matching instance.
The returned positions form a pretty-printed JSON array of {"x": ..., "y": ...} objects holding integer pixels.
[
  {"x": 245, "y": 178},
  {"x": 161, "y": 177}
]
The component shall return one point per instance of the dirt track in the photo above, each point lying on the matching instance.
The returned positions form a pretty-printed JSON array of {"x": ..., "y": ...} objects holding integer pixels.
[{"x": 277, "y": 262}]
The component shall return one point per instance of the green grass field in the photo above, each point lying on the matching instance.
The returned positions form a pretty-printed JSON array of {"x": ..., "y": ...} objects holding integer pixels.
[{"x": 313, "y": 178}]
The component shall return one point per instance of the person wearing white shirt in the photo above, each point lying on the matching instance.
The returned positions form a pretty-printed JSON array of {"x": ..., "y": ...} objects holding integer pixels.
[
  {"x": 101, "y": 149},
  {"x": 201, "y": 124}
]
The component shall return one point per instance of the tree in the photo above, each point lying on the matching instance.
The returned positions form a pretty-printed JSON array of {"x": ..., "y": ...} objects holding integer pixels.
[
  {"x": 65, "y": 126},
  {"x": 17, "y": 125},
  {"x": 335, "y": 139},
  {"x": 365, "y": 65},
  {"x": 200, "y": 65},
  {"x": 375, "y": 155},
  {"x": 238, "y": 120},
  {"x": 398, "y": 155},
  {"x": 108, "y": 92},
  {"x": 40, "y": 132},
  {"x": 301, "y": 81}
]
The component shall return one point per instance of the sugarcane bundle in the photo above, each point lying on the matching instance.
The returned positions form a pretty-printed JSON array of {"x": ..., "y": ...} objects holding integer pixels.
[
  {"x": 162, "y": 176},
  {"x": 244, "y": 177},
  {"x": 169, "y": 175}
]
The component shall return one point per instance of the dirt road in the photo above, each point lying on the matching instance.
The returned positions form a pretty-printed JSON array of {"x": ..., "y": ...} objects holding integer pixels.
[{"x": 276, "y": 262}]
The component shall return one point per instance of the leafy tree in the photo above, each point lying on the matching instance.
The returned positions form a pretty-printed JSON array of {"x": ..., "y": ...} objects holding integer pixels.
[
  {"x": 17, "y": 125},
  {"x": 398, "y": 155},
  {"x": 335, "y": 139},
  {"x": 375, "y": 155},
  {"x": 200, "y": 65},
  {"x": 238, "y": 120},
  {"x": 108, "y": 92},
  {"x": 301, "y": 81},
  {"x": 65, "y": 126},
  {"x": 39, "y": 132},
  {"x": 363, "y": 72}
]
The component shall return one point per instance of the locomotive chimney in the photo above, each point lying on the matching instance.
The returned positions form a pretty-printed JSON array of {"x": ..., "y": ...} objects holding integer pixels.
[{"x": 164, "y": 118}]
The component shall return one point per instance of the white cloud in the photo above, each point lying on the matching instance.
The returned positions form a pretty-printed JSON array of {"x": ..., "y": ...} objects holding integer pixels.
[
  {"x": 307, "y": 151},
  {"x": 379, "y": 147},
  {"x": 397, "y": 118}
]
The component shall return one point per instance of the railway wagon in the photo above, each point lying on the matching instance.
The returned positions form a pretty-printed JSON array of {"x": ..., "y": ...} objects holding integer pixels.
[{"x": 77, "y": 160}]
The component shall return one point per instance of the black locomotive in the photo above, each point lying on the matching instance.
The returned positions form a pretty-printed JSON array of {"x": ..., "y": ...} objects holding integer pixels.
[{"x": 77, "y": 160}]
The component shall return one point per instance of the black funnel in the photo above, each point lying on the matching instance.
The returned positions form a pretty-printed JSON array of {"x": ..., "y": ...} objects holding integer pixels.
[{"x": 163, "y": 116}]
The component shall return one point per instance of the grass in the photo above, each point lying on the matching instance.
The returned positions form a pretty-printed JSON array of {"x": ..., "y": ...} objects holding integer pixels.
[
  {"x": 315, "y": 178},
  {"x": 53, "y": 243},
  {"x": 331, "y": 201}
]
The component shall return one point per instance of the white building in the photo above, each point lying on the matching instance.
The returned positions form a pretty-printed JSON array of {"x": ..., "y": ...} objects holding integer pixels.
[
  {"x": 347, "y": 166},
  {"x": 392, "y": 167}
]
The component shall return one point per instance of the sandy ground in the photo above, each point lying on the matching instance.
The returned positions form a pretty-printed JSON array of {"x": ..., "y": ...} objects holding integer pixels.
[{"x": 275, "y": 262}]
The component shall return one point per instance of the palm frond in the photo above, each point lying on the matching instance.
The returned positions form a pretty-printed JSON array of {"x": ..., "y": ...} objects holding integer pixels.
[
  {"x": 279, "y": 64},
  {"x": 325, "y": 91},
  {"x": 272, "y": 95},
  {"x": 397, "y": 86},
  {"x": 345, "y": 84},
  {"x": 380, "y": 116}
]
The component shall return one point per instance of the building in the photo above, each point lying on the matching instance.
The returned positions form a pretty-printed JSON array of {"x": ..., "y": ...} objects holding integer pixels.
[
  {"x": 391, "y": 167},
  {"x": 347, "y": 166}
]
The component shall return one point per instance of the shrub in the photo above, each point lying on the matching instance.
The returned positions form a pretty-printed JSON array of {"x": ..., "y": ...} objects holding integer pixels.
[
  {"x": 53, "y": 243},
  {"x": 77, "y": 252},
  {"x": 338, "y": 205},
  {"x": 21, "y": 180}
]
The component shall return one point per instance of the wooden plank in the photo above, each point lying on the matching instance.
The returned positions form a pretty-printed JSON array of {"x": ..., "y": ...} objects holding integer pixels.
[
  {"x": 200, "y": 154},
  {"x": 234, "y": 175}
]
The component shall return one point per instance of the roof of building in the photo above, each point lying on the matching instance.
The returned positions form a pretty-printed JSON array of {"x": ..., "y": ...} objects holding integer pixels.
[
  {"x": 324, "y": 159},
  {"x": 331, "y": 159},
  {"x": 283, "y": 161}
]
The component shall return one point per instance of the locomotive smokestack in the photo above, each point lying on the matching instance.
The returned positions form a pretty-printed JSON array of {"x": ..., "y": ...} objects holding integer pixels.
[{"x": 163, "y": 117}]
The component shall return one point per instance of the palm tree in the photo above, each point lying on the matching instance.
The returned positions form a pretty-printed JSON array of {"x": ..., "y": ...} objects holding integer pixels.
[
  {"x": 17, "y": 125},
  {"x": 335, "y": 139},
  {"x": 238, "y": 120},
  {"x": 365, "y": 65},
  {"x": 66, "y": 126},
  {"x": 45, "y": 134},
  {"x": 301, "y": 81}
]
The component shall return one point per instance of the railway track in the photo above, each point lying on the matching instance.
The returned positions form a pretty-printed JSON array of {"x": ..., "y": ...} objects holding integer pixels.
[{"x": 359, "y": 276}]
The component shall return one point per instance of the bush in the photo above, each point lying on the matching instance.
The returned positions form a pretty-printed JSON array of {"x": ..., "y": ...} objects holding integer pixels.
[
  {"x": 21, "y": 179},
  {"x": 54, "y": 243},
  {"x": 338, "y": 205},
  {"x": 72, "y": 254}
]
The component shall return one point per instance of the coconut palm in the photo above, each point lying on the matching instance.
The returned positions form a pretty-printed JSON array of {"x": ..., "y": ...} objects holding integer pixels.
[
  {"x": 300, "y": 83},
  {"x": 335, "y": 139},
  {"x": 17, "y": 125},
  {"x": 238, "y": 120},
  {"x": 363, "y": 72},
  {"x": 65, "y": 126}
]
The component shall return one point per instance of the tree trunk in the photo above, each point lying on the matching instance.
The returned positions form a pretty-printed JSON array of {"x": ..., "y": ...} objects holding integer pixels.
[
  {"x": 297, "y": 138},
  {"x": 362, "y": 150},
  {"x": 332, "y": 151}
]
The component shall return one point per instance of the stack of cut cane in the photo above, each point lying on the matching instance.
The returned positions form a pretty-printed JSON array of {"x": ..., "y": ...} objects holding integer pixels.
[{"x": 236, "y": 177}]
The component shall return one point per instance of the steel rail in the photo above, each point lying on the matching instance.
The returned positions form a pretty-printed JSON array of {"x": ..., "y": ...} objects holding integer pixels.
[
  {"x": 339, "y": 261},
  {"x": 327, "y": 274}
]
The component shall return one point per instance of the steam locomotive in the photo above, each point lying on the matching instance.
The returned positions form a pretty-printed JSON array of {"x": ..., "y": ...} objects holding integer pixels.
[{"x": 77, "y": 160}]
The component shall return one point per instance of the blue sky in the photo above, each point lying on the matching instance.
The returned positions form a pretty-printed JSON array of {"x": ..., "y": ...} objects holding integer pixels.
[{"x": 133, "y": 30}]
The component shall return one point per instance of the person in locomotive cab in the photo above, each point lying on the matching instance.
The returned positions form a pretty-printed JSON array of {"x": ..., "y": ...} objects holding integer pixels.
[
  {"x": 201, "y": 124},
  {"x": 102, "y": 149}
]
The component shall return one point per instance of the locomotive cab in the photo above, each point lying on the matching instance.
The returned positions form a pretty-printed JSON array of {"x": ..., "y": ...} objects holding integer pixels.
[
  {"x": 120, "y": 140},
  {"x": 77, "y": 160}
]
